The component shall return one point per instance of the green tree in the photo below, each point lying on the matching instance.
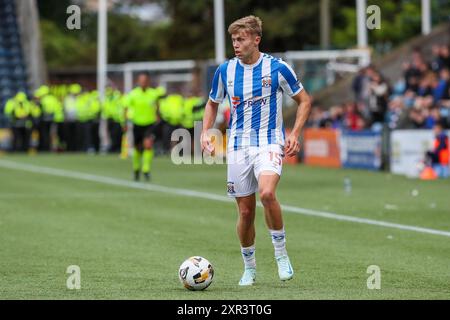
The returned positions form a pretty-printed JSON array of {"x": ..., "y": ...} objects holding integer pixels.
[
  {"x": 288, "y": 25},
  {"x": 53, "y": 10},
  {"x": 61, "y": 49},
  {"x": 400, "y": 20},
  {"x": 189, "y": 32}
]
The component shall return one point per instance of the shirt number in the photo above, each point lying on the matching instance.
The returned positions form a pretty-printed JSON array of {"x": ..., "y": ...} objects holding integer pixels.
[{"x": 275, "y": 157}]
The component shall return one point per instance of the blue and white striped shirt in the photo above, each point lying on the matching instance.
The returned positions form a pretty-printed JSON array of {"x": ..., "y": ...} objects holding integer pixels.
[{"x": 255, "y": 94}]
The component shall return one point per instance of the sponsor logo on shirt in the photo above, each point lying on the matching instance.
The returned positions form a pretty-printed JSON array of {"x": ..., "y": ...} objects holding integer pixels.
[
  {"x": 255, "y": 102},
  {"x": 230, "y": 187}
]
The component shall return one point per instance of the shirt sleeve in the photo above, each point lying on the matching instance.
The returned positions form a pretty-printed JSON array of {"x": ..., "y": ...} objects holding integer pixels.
[
  {"x": 288, "y": 80},
  {"x": 217, "y": 93}
]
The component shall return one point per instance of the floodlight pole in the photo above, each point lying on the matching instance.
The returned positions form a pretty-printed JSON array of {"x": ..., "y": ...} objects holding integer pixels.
[
  {"x": 102, "y": 53},
  {"x": 102, "y": 60},
  {"x": 219, "y": 29},
  {"x": 361, "y": 7},
  {"x": 426, "y": 17},
  {"x": 324, "y": 24}
]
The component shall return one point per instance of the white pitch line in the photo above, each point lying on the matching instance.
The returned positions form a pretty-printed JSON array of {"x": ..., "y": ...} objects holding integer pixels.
[{"x": 206, "y": 195}]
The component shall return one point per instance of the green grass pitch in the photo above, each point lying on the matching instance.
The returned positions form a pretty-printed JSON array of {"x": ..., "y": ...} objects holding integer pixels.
[{"x": 130, "y": 242}]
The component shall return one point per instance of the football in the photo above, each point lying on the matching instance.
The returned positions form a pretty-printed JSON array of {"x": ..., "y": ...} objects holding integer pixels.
[{"x": 196, "y": 273}]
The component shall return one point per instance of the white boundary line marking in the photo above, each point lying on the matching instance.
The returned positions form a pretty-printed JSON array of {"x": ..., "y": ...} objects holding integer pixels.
[{"x": 205, "y": 195}]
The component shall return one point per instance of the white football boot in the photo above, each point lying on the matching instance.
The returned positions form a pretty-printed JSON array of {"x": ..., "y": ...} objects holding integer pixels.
[
  {"x": 248, "y": 278},
  {"x": 285, "y": 271}
]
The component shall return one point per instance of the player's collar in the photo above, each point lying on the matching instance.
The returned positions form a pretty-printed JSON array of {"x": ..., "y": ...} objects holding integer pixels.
[{"x": 261, "y": 55}]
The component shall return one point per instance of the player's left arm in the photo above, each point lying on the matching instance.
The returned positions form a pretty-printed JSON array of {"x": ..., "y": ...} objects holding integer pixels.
[{"x": 292, "y": 146}]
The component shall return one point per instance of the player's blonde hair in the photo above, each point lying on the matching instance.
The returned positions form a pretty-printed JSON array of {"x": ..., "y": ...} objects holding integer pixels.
[{"x": 251, "y": 24}]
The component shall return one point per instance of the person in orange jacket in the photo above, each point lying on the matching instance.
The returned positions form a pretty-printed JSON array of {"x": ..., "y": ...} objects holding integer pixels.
[{"x": 439, "y": 157}]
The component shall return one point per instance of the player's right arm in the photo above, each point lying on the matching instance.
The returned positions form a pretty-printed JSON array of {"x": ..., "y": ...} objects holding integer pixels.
[
  {"x": 209, "y": 117},
  {"x": 216, "y": 96}
]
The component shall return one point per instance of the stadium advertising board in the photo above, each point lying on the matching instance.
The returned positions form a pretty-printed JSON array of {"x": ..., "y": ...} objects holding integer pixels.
[
  {"x": 321, "y": 147},
  {"x": 5, "y": 139},
  {"x": 408, "y": 148},
  {"x": 361, "y": 149}
]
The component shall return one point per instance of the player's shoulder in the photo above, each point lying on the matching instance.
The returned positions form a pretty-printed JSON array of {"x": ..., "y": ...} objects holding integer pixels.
[
  {"x": 270, "y": 57},
  {"x": 224, "y": 65},
  {"x": 276, "y": 62},
  {"x": 279, "y": 61}
]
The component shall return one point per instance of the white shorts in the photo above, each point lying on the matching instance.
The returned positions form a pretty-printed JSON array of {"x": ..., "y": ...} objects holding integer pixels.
[{"x": 246, "y": 164}]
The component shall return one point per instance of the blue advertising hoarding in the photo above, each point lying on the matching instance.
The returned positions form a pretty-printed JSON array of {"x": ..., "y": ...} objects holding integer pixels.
[{"x": 361, "y": 149}]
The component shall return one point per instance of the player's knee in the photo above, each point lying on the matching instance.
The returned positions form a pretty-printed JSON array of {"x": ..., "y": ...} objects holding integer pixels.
[
  {"x": 267, "y": 197},
  {"x": 247, "y": 214}
]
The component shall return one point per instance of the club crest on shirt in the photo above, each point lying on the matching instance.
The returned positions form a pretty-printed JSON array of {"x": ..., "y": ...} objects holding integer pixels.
[{"x": 266, "y": 82}]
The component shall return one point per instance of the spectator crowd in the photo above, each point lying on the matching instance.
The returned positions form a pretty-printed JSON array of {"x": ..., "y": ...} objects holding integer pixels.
[{"x": 420, "y": 99}]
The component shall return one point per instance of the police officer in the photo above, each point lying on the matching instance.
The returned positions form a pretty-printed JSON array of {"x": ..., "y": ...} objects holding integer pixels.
[
  {"x": 112, "y": 112},
  {"x": 71, "y": 128},
  {"x": 18, "y": 109},
  {"x": 49, "y": 105},
  {"x": 58, "y": 142},
  {"x": 194, "y": 105},
  {"x": 171, "y": 110}
]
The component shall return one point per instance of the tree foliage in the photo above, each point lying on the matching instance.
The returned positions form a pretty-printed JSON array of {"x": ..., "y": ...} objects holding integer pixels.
[
  {"x": 189, "y": 31},
  {"x": 400, "y": 20},
  {"x": 63, "y": 49}
]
